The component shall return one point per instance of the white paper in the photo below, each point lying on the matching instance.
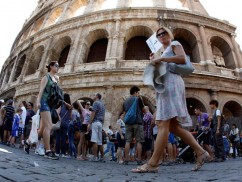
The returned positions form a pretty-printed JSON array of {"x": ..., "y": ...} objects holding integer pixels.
[{"x": 153, "y": 43}]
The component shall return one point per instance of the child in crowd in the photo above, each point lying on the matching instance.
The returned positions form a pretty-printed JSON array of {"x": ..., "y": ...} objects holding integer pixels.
[
  {"x": 15, "y": 128},
  {"x": 226, "y": 145}
]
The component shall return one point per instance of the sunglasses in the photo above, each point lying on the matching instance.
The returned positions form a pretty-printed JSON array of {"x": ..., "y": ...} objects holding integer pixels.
[
  {"x": 88, "y": 104},
  {"x": 162, "y": 34},
  {"x": 56, "y": 65}
]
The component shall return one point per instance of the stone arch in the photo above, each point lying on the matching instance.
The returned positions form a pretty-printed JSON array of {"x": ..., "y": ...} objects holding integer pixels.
[
  {"x": 222, "y": 53},
  {"x": 189, "y": 43},
  {"x": 95, "y": 39},
  {"x": 135, "y": 43},
  {"x": 60, "y": 50},
  {"x": 37, "y": 26},
  {"x": 54, "y": 16},
  {"x": 9, "y": 69},
  {"x": 76, "y": 8},
  {"x": 35, "y": 60},
  {"x": 85, "y": 99},
  {"x": 192, "y": 103},
  {"x": 19, "y": 67},
  {"x": 232, "y": 109}
]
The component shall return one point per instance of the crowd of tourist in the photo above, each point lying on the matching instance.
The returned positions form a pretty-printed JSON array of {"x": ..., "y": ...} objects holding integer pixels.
[{"x": 151, "y": 138}]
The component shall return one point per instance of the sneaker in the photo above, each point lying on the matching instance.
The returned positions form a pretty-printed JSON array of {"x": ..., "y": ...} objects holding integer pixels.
[
  {"x": 41, "y": 150},
  {"x": 94, "y": 159},
  {"x": 26, "y": 147},
  {"x": 51, "y": 155},
  {"x": 57, "y": 155}
]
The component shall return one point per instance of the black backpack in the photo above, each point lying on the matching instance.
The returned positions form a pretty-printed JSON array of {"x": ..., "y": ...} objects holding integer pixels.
[{"x": 55, "y": 97}]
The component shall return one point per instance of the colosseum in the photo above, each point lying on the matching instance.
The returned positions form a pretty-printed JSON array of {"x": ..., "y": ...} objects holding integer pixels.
[{"x": 101, "y": 47}]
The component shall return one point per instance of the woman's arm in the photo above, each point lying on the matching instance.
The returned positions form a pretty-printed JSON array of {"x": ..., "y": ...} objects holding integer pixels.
[
  {"x": 179, "y": 58},
  {"x": 43, "y": 84}
]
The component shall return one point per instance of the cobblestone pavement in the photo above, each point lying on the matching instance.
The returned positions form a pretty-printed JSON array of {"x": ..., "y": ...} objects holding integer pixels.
[{"x": 15, "y": 165}]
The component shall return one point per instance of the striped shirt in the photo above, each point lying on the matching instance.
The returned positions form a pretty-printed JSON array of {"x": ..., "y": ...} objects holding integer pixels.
[
  {"x": 9, "y": 112},
  {"x": 99, "y": 110}
]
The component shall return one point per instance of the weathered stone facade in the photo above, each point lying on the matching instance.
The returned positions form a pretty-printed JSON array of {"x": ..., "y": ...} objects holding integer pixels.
[{"x": 97, "y": 41}]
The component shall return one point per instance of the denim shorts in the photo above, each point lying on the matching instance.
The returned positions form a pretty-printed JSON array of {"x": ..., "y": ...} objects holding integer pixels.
[{"x": 44, "y": 106}]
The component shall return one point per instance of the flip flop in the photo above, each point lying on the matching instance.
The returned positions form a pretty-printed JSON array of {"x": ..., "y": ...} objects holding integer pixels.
[{"x": 146, "y": 168}]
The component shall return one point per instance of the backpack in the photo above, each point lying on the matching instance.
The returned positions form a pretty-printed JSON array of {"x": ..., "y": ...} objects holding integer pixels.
[
  {"x": 55, "y": 97},
  {"x": 131, "y": 116}
]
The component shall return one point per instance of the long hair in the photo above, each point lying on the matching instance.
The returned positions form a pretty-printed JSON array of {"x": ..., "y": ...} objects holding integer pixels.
[
  {"x": 52, "y": 63},
  {"x": 67, "y": 98}
]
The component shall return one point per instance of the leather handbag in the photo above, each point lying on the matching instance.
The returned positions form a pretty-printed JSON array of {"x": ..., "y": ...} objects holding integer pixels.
[{"x": 182, "y": 69}]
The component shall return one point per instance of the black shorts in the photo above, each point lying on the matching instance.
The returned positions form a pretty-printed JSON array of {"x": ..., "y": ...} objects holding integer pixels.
[
  {"x": 147, "y": 145},
  {"x": 7, "y": 125},
  {"x": 121, "y": 143},
  {"x": 83, "y": 128}
]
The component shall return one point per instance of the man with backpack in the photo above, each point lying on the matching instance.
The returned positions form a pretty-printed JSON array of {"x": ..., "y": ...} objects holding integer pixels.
[
  {"x": 217, "y": 131},
  {"x": 133, "y": 122}
]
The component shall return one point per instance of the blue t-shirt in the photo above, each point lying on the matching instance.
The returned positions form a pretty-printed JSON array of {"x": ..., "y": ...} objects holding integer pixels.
[
  {"x": 99, "y": 109},
  {"x": 16, "y": 122}
]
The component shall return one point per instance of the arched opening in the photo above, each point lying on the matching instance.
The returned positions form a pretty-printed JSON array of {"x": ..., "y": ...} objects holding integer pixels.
[
  {"x": 35, "y": 60},
  {"x": 37, "y": 26},
  {"x": 19, "y": 67},
  {"x": 137, "y": 49},
  {"x": 189, "y": 43},
  {"x": 192, "y": 104},
  {"x": 232, "y": 109},
  {"x": 98, "y": 51},
  {"x": 64, "y": 56},
  {"x": 76, "y": 8},
  {"x": 232, "y": 112},
  {"x": 222, "y": 53},
  {"x": 60, "y": 51},
  {"x": 149, "y": 103},
  {"x": 54, "y": 17}
]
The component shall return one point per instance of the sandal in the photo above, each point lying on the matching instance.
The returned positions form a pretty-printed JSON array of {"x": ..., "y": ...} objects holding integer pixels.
[
  {"x": 200, "y": 161},
  {"x": 146, "y": 168}
]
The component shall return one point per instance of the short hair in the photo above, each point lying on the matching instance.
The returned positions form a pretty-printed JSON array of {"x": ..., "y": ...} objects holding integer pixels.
[
  {"x": 110, "y": 126},
  {"x": 134, "y": 89},
  {"x": 30, "y": 103},
  {"x": 75, "y": 105},
  {"x": 214, "y": 102},
  {"x": 19, "y": 109},
  {"x": 167, "y": 30},
  {"x": 234, "y": 125},
  {"x": 99, "y": 95},
  {"x": 198, "y": 108}
]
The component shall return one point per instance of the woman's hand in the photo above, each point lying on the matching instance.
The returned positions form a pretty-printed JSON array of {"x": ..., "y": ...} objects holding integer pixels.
[
  {"x": 38, "y": 105},
  {"x": 152, "y": 56}
]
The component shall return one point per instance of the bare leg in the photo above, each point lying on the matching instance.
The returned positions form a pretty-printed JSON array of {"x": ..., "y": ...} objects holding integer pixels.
[
  {"x": 127, "y": 148},
  {"x": 101, "y": 150},
  {"x": 170, "y": 152},
  {"x": 139, "y": 150},
  {"x": 161, "y": 142},
  {"x": 186, "y": 137},
  {"x": 79, "y": 147},
  {"x": 119, "y": 154},
  {"x": 47, "y": 122},
  {"x": 209, "y": 150},
  {"x": 94, "y": 149}
]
